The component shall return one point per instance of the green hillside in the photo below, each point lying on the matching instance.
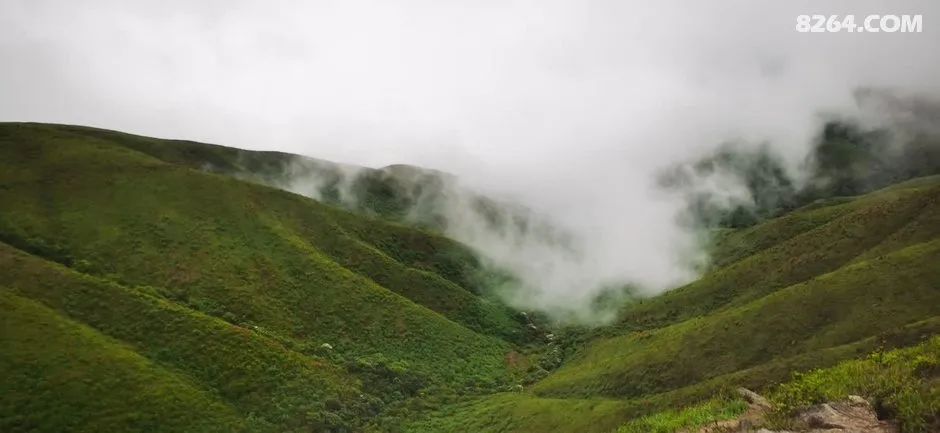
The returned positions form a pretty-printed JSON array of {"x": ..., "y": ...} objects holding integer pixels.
[
  {"x": 403, "y": 193},
  {"x": 60, "y": 374},
  {"x": 146, "y": 252},
  {"x": 248, "y": 369},
  {"x": 174, "y": 285},
  {"x": 831, "y": 281},
  {"x": 900, "y": 383}
]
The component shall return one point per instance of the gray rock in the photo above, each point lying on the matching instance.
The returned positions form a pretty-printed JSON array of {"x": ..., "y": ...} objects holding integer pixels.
[
  {"x": 853, "y": 416},
  {"x": 754, "y": 398}
]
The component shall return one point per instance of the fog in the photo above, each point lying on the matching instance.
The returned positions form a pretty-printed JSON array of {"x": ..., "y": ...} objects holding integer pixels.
[{"x": 569, "y": 108}]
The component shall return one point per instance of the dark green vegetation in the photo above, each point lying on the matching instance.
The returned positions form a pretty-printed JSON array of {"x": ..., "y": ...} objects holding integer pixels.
[
  {"x": 60, "y": 374},
  {"x": 152, "y": 276},
  {"x": 847, "y": 158},
  {"x": 232, "y": 289}
]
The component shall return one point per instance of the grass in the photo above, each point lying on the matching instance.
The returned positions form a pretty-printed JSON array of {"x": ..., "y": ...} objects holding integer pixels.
[
  {"x": 847, "y": 305},
  {"x": 60, "y": 375},
  {"x": 717, "y": 409},
  {"x": 249, "y": 254},
  {"x": 529, "y": 413},
  {"x": 903, "y": 384},
  {"x": 236, "y": 286},
  {"x": 823, "y": 240},
  {"x": 246, "y": 368},
  {"x": 522, "y": 412},
  {"x": 391, "y": 192}
]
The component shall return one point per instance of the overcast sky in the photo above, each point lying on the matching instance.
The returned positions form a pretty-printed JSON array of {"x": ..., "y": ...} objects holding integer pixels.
[
  {"x": 568, "y": 105},
  {"x": 430, "y": 81}
]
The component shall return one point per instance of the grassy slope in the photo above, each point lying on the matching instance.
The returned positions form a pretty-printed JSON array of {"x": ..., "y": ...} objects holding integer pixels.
[
  {"x": 795, "y": 248},
  {"x": 352, "y": 241},
  {"x": 855, "y": 302},
  {"x": 865, "y": 267},
  {"x": 60, "y": 375},
  {"x": 364, "y": 242},
  {"x": 901, "y": 384},
  {"x": 826, "y": 283},
  {"x": 234, "y": 286},
  {"x": 245, "y": 367},
  {"x": 389, "y": 192},
  {"x": 200, "y": 156},
  {"x": 529, "y": 413},
  {"x": 521, "y": 412},
  {"x": 243, "y": 252},
  {"x": 264, "y": 277},
  {"x": 709, "y": 412}
]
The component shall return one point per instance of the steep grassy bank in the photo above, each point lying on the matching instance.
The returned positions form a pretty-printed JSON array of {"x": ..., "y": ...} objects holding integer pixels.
[
  {"x": 249, "y": 370},
  {"x": 60, "y": 375},
  {"x": 243, "y": 252},
  {"x": 288, "y": 313}
]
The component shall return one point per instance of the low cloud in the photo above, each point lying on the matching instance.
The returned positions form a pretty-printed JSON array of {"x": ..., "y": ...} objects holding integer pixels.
[{"x": 571, "y": 109}]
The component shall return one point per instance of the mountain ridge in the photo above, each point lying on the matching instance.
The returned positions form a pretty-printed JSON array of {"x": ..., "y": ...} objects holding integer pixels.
[{"x": 252, "y": 308}]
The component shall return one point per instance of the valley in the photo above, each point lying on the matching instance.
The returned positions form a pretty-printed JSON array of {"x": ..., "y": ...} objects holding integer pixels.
[{"x": 166, "y": 285}]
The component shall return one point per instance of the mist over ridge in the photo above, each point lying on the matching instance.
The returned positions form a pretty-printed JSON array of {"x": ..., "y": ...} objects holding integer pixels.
[
  {"x": 556, "y": 267},
  {"x": 570, "y": 111}
]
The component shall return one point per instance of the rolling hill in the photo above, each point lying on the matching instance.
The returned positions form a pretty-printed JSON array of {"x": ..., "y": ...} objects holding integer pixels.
[
  {"x": 165, "y": 285},
  {"x": 247, "y": 291}
]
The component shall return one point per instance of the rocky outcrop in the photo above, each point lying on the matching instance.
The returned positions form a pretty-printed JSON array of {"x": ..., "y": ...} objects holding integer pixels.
[
  {"x": 754, "y": 399},
  {"x": 855, "y": 415}
]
